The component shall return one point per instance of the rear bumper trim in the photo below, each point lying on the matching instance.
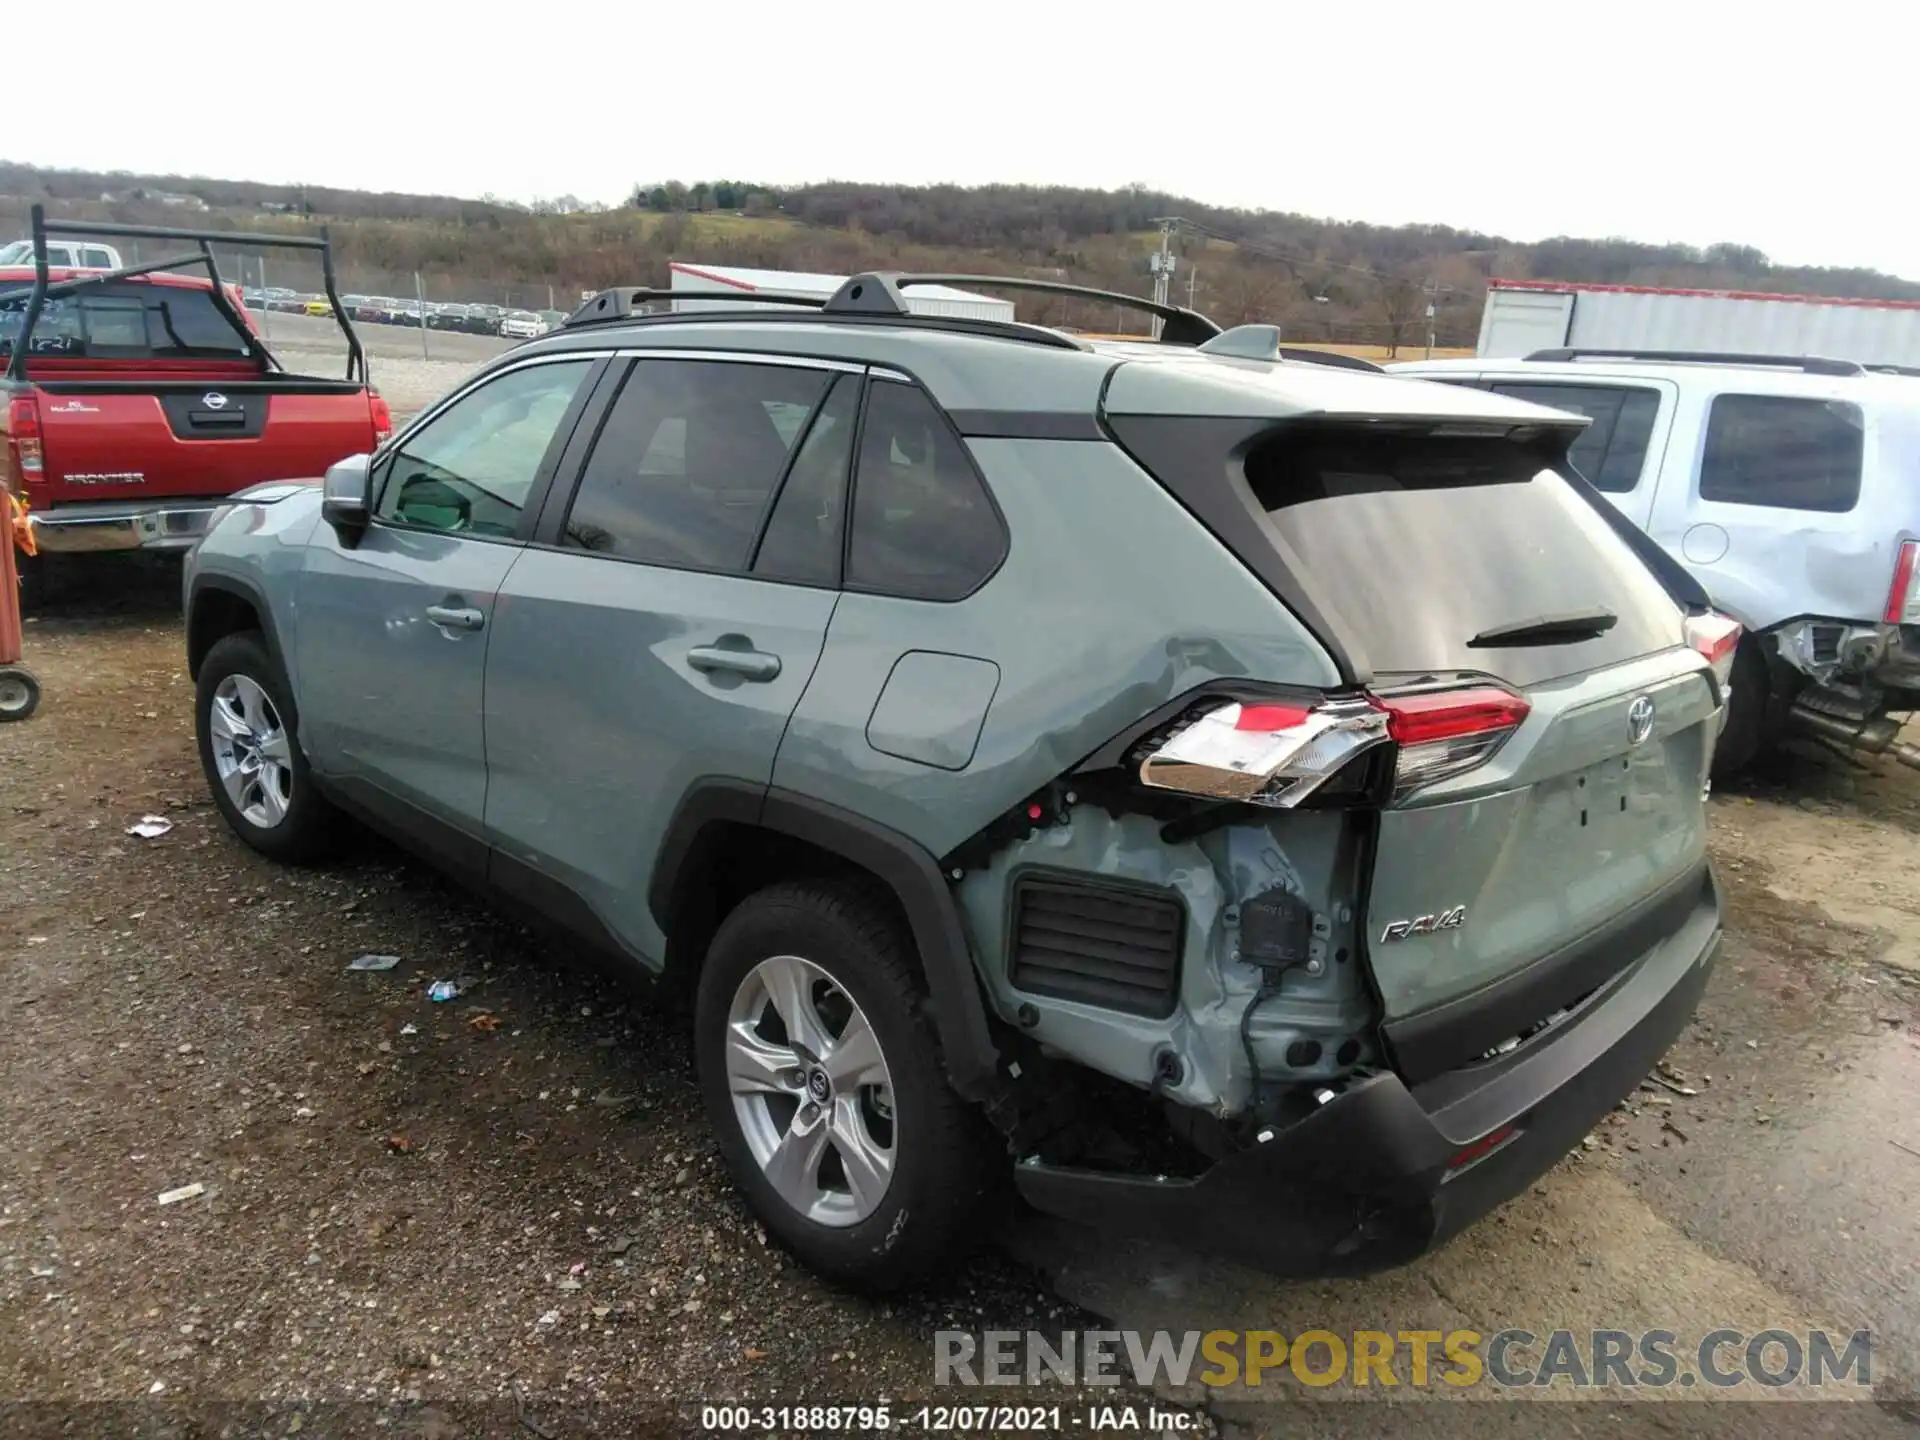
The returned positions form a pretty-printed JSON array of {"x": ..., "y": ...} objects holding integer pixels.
[
  {"x": 149, "y": 527},
  {"x": 1368, "y": 1181}
]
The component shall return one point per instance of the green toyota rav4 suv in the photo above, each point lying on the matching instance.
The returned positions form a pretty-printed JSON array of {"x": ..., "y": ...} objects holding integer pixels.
[{"x": 1241, "y": 796}]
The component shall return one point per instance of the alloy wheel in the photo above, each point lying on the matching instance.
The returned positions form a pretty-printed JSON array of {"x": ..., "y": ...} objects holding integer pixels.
[
  {"x": 252, "y": 752},
  {"x": 811, "y": 1090}
]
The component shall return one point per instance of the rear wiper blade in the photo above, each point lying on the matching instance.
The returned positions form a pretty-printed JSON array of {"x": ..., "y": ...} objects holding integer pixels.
[{"x": 1564, "y": 629}]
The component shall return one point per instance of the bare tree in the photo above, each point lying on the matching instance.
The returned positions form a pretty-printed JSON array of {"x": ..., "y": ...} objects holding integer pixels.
[
  {"x": 1245, "y": 295},
  {"x": 1400, "y": 304}
]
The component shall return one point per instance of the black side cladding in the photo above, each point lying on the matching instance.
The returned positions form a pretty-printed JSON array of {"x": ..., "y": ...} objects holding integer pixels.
[{"x": 1118, "y": 948}]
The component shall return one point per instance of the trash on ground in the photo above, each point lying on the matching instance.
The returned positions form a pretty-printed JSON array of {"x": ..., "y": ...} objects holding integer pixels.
[
  {"x": 185, "y": 1192},
  {"x": 484, "y": 1021},
  {"x": 442, "y": 991},
  {"x": 409, "y": 1029},
  {"x": 374, "y": 962},
  {"x": 402, "y": 1144},
  {"x": 150, "y": 827}
]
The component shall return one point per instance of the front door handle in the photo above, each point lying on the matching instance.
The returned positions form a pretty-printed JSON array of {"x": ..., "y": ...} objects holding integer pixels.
[
  {"x": 749, "y": 664},
  {"x": 456, "y": 617}
]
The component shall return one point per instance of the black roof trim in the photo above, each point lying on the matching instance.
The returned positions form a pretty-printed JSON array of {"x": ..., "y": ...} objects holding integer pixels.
[
  {"x": 812, "y": 314},
  {"x": 878, "y": 293}
]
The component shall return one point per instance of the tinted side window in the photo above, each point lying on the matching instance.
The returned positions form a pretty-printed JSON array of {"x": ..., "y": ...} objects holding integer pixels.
[
  {"x": 923, "y": 525},
  {"x": 1785, "y": 451},
  {"x": 1611, "y": 452},
  {"x": 470, "y": 468},
  {"x": 687, "y": 460},
  {"x": 802, "y": 541}
]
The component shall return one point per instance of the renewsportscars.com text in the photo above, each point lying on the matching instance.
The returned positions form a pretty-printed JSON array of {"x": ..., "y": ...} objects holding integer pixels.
[{"x": 1511, "y": 1359}]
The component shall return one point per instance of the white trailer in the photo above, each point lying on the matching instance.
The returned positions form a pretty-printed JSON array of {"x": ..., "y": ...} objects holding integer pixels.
[
  {"x": 1523, "y": 316},
  {"x": 921, "y": 299}
]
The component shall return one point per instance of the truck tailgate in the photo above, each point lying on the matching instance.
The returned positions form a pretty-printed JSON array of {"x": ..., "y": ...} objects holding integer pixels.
[{"x": 114, "y": 440}]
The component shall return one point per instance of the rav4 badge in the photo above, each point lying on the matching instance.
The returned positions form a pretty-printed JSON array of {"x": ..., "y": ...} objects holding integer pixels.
[{"x": 1425, "y": 924}]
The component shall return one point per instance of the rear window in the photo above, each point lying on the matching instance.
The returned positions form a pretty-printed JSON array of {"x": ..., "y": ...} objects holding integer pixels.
[
  {"x": 125, "y": 321},
  {"x": 1612, "y": 451},
  {"x": 1784, "y": 451},
  {"x": 1421, "y": 543}
]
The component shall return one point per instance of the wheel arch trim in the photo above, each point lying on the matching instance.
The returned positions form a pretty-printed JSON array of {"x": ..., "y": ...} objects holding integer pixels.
[{"x": 905, "y": 868}]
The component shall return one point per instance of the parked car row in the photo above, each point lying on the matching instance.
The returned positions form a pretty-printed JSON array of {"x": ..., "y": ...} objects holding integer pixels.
[{"x": 387, "y": 310}]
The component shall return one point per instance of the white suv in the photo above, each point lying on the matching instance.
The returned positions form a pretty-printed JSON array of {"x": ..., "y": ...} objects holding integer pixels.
[{"x": 1790, "y": 488}]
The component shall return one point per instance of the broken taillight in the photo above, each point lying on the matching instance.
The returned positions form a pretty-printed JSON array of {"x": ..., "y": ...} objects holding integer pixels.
[
  {"x": 1265, "y": 753},
  {"x": 1903, "y": 596},
  {"x": 1278, "y": 753},
  {"x": 1717, "y": 637}
]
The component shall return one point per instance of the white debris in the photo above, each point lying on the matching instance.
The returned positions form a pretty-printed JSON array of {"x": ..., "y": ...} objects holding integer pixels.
[
  {"x": 185, "y": 1192},
  {"x": 374, "y": 962},
  {"x": 151, "y": 827}
]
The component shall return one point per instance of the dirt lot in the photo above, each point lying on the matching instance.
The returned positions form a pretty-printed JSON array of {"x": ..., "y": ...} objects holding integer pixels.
[{"x": 511, "y": 1199}]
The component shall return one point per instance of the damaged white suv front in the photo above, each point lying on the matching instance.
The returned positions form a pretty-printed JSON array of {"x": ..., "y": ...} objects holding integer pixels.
[{"x": 1784, "y": 484}]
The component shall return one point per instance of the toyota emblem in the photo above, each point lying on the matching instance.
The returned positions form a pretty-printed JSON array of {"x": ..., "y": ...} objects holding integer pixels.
[
  {"x": 1640, "y": 720},
  {"x": 214, "y": 400}
]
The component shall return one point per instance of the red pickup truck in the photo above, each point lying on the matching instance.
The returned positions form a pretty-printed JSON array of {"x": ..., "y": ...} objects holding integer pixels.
[{"x": 137, "y": 399}]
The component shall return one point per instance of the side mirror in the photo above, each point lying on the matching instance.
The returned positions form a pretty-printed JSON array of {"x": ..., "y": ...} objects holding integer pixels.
[{"x": 346, "y": 498}]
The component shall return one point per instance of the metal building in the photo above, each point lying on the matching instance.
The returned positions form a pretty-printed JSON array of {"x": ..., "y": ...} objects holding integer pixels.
[
  {"x": 1527, "y": 315},
  {"x": 921, "y": 299}
]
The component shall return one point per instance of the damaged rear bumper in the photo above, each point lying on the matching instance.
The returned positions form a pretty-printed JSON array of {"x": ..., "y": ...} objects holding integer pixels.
[{"x": 1382, "y": 1173}]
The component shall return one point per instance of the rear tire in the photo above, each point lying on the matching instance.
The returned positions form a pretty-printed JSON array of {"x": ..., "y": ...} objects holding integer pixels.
[
  {"x": 248, "y": 731},
  {"x": 1749, "y": 728},
  {"x": 857, "y": 1156}
]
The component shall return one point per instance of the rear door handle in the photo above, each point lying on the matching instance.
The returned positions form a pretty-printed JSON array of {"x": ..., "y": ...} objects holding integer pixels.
[
  {"x": 749, "y": 664},
  {"x": 456, "y": 617}
]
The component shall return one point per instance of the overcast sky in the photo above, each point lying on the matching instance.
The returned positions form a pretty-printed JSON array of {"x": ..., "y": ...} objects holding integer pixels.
[{"x": 1789, "y": 126}]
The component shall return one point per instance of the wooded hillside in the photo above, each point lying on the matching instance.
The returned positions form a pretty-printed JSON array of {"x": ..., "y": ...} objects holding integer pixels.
[{"x": 1322, "y": 280}]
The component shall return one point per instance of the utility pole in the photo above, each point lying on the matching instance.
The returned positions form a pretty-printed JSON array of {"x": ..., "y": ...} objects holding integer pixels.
[
  {"x": 1162, "y": 264},
  {"x": 1432, "y": 292},
  {"x": 1193, "y": 277}
]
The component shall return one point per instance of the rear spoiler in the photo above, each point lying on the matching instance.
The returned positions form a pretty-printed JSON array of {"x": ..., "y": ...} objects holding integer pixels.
[{"x": 44, "y": 289}]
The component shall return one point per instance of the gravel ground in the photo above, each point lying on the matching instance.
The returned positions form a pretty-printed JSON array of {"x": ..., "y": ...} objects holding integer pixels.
[{"x": 402, "y": 1201}]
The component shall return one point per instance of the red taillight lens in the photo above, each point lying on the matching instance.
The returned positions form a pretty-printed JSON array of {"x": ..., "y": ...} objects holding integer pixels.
[
  {"x": 1443, "y": 733},
  {"x": 1449, "y": 714},
  {"x": 1903, "y": 604},
  {"x": 23, "y": 436},
  {"x": 382, "y": 417},
  {"x": 1717, "y": 637}
]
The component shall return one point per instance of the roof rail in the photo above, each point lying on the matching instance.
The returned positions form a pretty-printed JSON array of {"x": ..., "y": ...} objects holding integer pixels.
[
  {"x": 205, "y": 240},
  {"x": 1894, "y": 369},
  {"x": 878, "y": 293},
  {"x": 629, "y": 302},
  {"x": 1810, "y": 364}
]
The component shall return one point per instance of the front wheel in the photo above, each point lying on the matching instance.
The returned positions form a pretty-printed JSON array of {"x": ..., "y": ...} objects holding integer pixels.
[
  {"x": 823, "y": 1081},
  {"x": 247, "y": 728}
]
